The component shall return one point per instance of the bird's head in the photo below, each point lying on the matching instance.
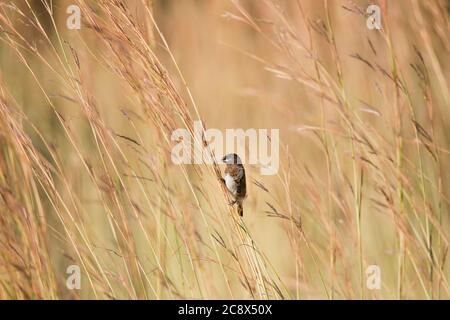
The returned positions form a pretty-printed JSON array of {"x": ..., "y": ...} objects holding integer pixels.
[{"x": 232, "y": 158}]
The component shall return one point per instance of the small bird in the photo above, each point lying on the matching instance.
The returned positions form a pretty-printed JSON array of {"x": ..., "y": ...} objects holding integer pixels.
[{"x": 235, "y": 180}]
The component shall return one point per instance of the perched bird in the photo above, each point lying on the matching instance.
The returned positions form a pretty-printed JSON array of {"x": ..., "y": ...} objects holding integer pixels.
[{"x": 235, "y": 180}]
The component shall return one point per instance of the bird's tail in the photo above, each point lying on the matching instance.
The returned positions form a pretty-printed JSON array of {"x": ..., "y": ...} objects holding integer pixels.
[{"x": 240, "y": 209}]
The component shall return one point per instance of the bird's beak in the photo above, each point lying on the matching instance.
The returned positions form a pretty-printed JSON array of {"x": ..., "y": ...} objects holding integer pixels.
[{"x": 224, "y": 159}]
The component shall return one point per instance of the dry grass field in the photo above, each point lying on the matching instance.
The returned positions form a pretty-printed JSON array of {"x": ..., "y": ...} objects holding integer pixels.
[{"x": 87, "y": 179}]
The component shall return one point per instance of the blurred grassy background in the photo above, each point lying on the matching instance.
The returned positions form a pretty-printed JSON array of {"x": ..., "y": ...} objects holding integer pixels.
[{"x": 85, "y": 170}]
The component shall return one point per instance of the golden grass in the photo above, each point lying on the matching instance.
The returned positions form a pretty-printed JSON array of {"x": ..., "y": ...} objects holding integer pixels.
[{"x": 86, "y": 176}]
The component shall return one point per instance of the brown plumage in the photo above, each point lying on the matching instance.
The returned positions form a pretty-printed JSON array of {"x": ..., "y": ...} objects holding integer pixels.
[{"x": 235, "y": 180}]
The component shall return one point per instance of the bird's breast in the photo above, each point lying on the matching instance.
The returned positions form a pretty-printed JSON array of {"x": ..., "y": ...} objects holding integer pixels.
[{"x": 230, "y": 183}]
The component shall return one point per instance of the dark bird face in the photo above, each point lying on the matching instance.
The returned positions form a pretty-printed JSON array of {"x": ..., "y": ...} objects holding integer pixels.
[{"x": 232, "y": 158}]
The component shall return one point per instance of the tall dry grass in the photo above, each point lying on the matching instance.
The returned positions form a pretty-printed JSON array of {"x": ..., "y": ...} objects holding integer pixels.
[{"x": 86, "y": 176}]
